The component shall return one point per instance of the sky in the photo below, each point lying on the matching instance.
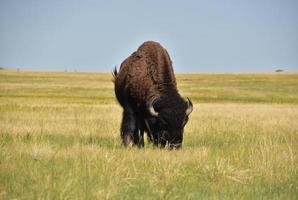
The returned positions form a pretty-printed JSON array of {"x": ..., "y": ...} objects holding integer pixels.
[{"x": 200, "y": 36}]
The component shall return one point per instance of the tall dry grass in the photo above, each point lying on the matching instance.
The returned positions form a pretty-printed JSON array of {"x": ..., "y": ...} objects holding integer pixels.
[{"x": 58, "y": 141}]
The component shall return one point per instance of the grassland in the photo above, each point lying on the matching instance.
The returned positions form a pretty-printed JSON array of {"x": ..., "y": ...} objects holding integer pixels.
[{"x": 59, "y": 139}]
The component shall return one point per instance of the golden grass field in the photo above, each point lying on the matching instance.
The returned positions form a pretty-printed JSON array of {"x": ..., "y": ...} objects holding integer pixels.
[{"x": 59, "y": 139}]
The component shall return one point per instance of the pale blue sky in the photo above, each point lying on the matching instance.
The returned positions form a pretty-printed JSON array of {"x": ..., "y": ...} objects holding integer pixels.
[{"x": 201, "y": 36}]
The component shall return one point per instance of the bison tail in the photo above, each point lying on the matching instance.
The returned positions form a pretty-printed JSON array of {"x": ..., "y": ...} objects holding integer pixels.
[{"x": 115, "y": 73}]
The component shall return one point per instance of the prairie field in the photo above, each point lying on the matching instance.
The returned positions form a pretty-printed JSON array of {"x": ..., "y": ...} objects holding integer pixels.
[{"x": 59, "y": 139}]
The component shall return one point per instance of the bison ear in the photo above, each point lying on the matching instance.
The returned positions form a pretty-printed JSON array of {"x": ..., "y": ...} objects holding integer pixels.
[
  {"x": 189, "y": 107},
  {"x": 151, "y": 108}
]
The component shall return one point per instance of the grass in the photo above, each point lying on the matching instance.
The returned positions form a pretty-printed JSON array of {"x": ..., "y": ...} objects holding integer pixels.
[{"x": 59, "y": 139}]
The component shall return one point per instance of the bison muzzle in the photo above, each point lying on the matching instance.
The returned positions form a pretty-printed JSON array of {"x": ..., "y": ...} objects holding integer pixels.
[{"x": 146, "y": 88}]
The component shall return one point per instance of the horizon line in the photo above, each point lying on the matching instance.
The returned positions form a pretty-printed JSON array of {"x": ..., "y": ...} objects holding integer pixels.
[{"x": 176, "y": 71}]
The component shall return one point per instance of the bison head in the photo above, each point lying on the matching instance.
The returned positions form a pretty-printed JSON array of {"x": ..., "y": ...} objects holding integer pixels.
[{"x": 168, "y": 116}]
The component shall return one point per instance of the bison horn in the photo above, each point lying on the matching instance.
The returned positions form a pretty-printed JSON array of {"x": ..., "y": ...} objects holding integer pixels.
[
  {"x": 189, "y": 107},
  {"x": 151, "y": 108}
]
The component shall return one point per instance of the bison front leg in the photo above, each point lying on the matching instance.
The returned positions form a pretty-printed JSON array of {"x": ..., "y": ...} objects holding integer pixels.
[
  {"x": 140, "y": 133},
  {"x": 128, "y": 126}
]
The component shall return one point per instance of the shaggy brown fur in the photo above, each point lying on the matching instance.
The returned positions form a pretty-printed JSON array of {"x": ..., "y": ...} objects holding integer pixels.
[{"x": 146, "y": 73}]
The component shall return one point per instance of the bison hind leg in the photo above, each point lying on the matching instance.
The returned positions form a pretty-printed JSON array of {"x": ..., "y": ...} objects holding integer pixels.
[{"x": 129, "y": 127}]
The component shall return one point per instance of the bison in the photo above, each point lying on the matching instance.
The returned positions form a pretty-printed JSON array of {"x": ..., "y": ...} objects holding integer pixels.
[{"x": 146, "y": 88}]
